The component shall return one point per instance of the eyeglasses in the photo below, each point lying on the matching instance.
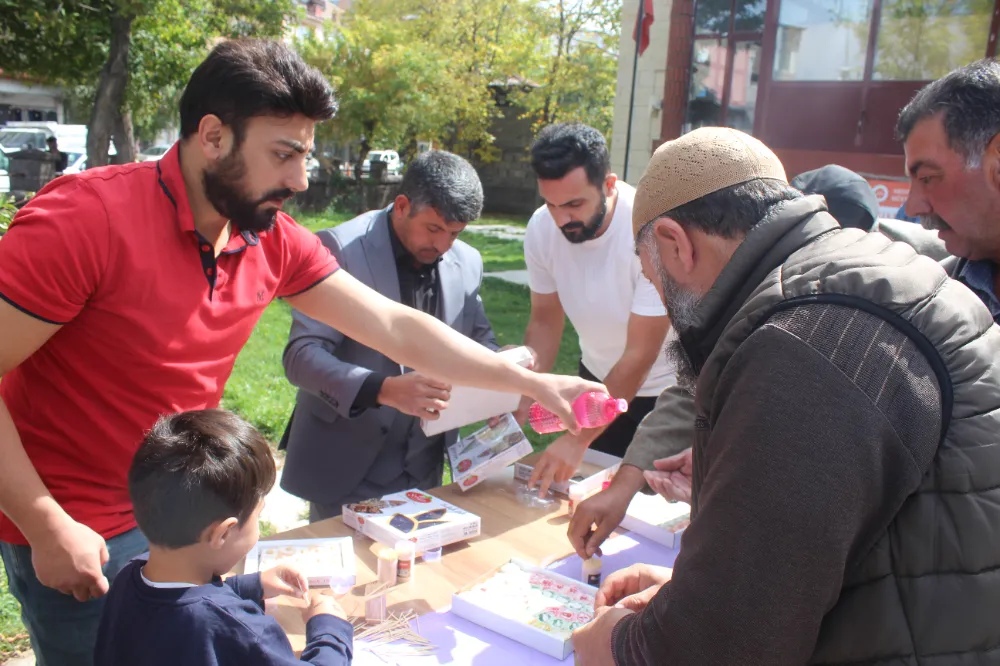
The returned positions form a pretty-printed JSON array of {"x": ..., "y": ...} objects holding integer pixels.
[{"x": 407, "y": 524}]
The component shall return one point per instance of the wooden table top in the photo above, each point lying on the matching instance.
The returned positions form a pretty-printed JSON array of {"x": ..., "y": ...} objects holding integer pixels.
[{"x": 509, "y": 529}]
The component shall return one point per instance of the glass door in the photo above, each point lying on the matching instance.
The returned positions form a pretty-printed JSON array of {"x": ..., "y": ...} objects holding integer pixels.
[{"x": 725, "y": 64}]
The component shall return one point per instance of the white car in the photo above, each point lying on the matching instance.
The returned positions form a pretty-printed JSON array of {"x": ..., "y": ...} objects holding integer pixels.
[
  {"x": 75, "y": 163},
  {"x": 390, "y": 157},
  {"x": 153, "y": 153}
]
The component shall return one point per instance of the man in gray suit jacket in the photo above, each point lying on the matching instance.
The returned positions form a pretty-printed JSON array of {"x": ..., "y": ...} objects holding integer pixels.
[{"x": 355, "y": 432}]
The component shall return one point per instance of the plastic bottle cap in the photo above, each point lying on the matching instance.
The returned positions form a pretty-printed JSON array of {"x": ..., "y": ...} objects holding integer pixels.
[
  {"x": 622, "y": 405},
  {"x": 406, "y": 549}
]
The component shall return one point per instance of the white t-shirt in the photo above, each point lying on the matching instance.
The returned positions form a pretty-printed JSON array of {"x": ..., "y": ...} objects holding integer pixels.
[{"x": 600, "y": 283}]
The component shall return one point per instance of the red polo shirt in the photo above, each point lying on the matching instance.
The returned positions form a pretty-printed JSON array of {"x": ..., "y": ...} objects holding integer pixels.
[{"x": 152, "y": 322}]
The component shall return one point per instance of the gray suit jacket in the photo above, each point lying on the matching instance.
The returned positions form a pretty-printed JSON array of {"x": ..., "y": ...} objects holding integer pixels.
[{"x": 330, "y": 450}]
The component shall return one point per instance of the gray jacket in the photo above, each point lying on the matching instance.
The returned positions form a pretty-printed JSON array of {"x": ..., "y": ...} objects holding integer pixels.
[
  {"x": 845, "y": 462},
  {"x": 330, "y": 449},
  {"x": 669, "y": 428}
]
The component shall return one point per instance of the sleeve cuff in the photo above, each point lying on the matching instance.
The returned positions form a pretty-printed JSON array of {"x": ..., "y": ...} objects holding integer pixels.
[
  {"x": 618, "y": 637},
  {"x": 331, "y": 625},
  {"x": 367, "y": 396}
]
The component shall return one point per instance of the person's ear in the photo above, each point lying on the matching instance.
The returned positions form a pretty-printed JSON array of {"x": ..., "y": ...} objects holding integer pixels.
[
  {"x": 609, "y": 184},
  {"x": 214, "y": 138},
  {"x": 991, "y": 162},
  {"x": 218, "y": 534},
  {"x": 402, "y": 204},
  {"x": 675, "y": 246}
]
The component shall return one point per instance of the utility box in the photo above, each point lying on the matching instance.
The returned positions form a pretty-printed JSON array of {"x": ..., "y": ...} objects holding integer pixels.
[{"x": 31, "y": 169}]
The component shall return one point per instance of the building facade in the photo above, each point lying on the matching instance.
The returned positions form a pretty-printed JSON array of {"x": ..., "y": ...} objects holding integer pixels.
[
  {"x": 23, "y": 100},
  {"x": 819, "y": 81}
]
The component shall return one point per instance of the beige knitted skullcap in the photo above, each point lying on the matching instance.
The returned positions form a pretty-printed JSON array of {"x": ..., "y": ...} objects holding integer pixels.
[{"x": 702, "y": 161}]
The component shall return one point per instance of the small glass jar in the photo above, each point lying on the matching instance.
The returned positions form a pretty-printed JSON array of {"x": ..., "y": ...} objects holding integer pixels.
[{"x": 406, "y": 554}]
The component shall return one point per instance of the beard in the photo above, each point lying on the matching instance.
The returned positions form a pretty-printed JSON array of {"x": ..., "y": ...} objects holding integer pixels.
[
  {"x": 682, "y": 307},
  {"x": 224, "y": 189},
  {"x": 934, "y": 222},
  {"x": 581, "y": 232}
]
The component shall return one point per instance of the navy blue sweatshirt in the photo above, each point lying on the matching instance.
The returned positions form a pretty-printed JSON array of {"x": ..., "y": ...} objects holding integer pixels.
[{"x": 218, "y": 624}]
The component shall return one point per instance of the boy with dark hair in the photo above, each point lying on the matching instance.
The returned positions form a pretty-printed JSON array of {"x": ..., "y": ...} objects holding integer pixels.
[{"x": 198, "y": 484}]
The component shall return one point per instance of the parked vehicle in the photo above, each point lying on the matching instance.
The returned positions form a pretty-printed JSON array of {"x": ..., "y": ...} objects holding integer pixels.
[
  {"x": 153, "y": 153},
  {"x": 390, "y": 157},
  {"x": 13, "y": 139}
]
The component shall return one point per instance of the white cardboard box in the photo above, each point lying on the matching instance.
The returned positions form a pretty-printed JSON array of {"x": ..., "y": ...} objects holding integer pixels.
[
  {"x": 412, "y": 515},
  {"x": 657, "y": 519},
  {"x": 470, "y": 405},
  {"x": 594, "y": 473},
  {"x": 487, "y": 451},
  {"x": 320, "y": 560},
  {"x": 468, "y": 605}
]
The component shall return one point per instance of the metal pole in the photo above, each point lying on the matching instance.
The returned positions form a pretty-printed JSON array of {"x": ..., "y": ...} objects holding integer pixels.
[{"x": 631, "y": 98}]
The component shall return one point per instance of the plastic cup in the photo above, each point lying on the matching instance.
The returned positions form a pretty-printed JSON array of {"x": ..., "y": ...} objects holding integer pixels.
[{"x": 530, "y": 498}]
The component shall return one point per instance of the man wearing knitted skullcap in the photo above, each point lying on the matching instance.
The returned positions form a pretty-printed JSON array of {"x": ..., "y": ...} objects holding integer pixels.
[{"x": 847, "y": 416}]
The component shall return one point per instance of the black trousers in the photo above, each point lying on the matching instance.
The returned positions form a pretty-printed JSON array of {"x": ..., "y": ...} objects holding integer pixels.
[{"x": 616, "y": 438}]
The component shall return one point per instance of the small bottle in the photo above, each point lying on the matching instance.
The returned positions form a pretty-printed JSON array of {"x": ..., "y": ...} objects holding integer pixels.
[
  {"x": 592, "y": 409},
  {"x": 387, "y": 566},
  {"x": 592, "y": 570},
  {"x": 406, "y": 552}
]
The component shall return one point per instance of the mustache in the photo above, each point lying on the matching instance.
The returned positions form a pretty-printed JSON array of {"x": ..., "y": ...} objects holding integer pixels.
[
  {"x": 934, "y": 222},
  {"x": 275, "y": 194}
]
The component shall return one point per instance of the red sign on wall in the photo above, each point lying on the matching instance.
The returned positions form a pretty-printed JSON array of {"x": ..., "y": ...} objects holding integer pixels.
[{"x": 891, "y": 194}]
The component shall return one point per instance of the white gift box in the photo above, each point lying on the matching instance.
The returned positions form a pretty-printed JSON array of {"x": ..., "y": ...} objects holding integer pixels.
[
  {"x": 412, "y": 515},
  {"x": 657, "y": 519},
  {"x": 320, "y": 560},
  {"x": 487, "y": 451},
  {"x": 471, "y": 405},
  {"x": 534, "y": 606}
]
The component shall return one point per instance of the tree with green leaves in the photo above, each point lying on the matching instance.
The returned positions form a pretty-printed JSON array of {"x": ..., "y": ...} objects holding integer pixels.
[
  {"x": 128, "y": 58},
  {"x": 409, "y": 70},
  {"x": 580, "y": 63},
  {"x": 925, "y": 39}
]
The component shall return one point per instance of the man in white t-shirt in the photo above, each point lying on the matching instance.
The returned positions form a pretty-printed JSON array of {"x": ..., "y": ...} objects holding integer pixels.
[{"x": 582, "y": 264}]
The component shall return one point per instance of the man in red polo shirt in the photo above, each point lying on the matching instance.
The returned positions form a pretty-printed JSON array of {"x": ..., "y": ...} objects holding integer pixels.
[{"x": 127, "y": 292}]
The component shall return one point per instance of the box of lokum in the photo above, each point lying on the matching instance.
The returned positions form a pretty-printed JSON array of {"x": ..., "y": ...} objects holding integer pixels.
[
  {"x": 487, "y": 451},
  {"x": 657, "y": 519},
  {"x": 412, "y": 515},
  {"x": 322, "y": 561},
  {"x": 530, "y": 605}
]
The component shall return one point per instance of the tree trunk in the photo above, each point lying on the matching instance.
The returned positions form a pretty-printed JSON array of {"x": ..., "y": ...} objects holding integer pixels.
[
  {"x": 110, "y": 99},
  {"x": 363, "y": 153},
  {"x": 123, "y": 137}
]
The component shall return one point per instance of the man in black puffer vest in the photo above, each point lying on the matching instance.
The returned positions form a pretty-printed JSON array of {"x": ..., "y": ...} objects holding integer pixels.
[{"x": 846, "y": 467}]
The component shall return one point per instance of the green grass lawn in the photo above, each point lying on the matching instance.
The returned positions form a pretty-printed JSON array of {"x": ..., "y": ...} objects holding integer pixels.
[{"x": 13, "y": 636}]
